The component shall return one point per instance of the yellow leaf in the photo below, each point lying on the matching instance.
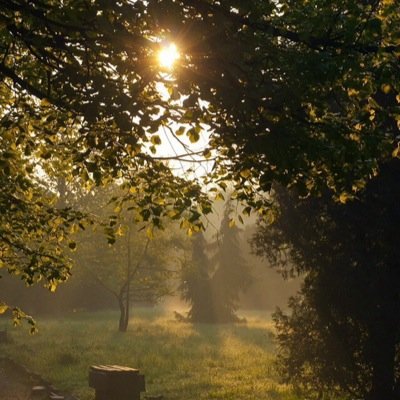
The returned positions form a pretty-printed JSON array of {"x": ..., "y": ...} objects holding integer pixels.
[
  {"x": 45, "y": 103},
  {"x": 396, "y": 152},
  {"x": 160, "y": 201},
  {"x": 270, "y": 216},
  {"x": 172, "y": 213},
  {"x": 219, "y": 196},
  {"x": 372, "y": 114},
  {"x": 74, "y": 228},
  {"x": 150, "y": 233},
  {"x": 245, "y": 173},
  {"x": 386, "y": 88},
  {"x": 58, "y": 221},
  {"x": 232, "y": 223},
  {"x": 3, "y": 308},
  {"x": 344, "y": 197},
  {"x": 29, "y": 194},
  {"x": 53, "y": 287},
  {"x": 132, "y": 189},
  {"x": 352, "y": 92},
  {"x": 185, "y": 224}
]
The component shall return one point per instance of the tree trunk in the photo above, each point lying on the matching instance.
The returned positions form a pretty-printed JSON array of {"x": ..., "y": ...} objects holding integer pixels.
[
  {"x": 123, "y": 317},
  {"x": 383, "y": 360}
]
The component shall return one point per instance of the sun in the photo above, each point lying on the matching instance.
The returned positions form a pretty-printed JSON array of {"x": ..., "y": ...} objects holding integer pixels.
[{"x": 168, "y": 55}]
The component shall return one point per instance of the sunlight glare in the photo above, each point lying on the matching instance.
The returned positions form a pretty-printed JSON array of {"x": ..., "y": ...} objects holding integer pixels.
[{"x": 168, "y": 55}]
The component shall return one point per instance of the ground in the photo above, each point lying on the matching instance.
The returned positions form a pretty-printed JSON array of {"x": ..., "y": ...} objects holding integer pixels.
[
  {"x": 16, "y": 382},
  {"x": 14, "y": 385}
]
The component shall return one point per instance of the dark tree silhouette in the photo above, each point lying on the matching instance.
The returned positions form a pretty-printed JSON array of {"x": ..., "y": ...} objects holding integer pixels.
[{"x": 343, "y": 335}]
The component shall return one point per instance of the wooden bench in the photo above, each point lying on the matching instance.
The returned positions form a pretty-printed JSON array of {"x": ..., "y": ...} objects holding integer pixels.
[{"x": 114, "y": 382}]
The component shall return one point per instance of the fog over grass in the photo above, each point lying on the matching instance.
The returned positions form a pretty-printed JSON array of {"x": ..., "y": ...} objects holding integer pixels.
[{"x": 179, "y": 360}]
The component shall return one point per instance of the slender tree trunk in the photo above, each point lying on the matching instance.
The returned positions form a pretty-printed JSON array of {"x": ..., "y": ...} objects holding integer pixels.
[
  {"x": 125, "y": 296},
  {"x": 128, "y": 283},
  {"x": 123, "y": 324}
]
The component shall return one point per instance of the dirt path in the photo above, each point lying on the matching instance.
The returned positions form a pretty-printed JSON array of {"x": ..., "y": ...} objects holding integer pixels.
[
  {"x": 16, "y": 383},
  {"x": 13, "y": 384}
]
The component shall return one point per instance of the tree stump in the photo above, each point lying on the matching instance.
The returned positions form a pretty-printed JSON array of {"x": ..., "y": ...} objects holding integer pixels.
[{"x": 114, "y": 382}]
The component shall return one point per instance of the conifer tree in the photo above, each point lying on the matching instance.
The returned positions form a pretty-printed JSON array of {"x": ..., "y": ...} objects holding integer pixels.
[
  {"x": 196, "y": 285},
  {"x": 212, "y": 285},
  {"x": 231, "y": 272}
]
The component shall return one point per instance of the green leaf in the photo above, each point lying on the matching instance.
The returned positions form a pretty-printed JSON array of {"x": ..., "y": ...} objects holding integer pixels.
[
  {"x": 155, "y": 139},
  {"x": 207, "y": 154},
  {"x": 193, "y": 135},
  {"x": 180, "y": 131}
]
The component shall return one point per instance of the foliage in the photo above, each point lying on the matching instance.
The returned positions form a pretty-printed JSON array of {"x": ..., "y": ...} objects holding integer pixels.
[
  {"x": 300, "y": 92},
  {"x": 78, "y": 102},
  {"x": 304, "y": 93},
  {"x": 131, "y": 263},
  {"x": 344, "y": 331}
]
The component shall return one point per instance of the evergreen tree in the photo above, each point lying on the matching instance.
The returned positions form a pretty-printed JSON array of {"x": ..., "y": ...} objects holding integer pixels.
[
  {"x": 212, "y": 285},
  {"x": 231, "y": 274},
  {"x": 196, "y": 283}
]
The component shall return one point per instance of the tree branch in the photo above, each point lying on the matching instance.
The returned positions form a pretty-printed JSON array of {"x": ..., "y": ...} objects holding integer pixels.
[{"x": 315, "y": 43}]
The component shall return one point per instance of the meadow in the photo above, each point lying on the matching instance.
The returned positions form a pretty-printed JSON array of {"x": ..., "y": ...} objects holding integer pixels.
[{"x": 179, "y": 360}]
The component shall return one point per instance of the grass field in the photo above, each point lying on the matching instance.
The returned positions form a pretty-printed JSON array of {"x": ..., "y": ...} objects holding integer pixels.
[{"x": 181, "y": 361}]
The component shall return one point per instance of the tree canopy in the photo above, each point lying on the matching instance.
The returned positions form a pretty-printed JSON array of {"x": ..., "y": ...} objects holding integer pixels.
[
  {"x": 79, "y": 101},
  {"x": 305, "y": 93},
  {"x": 301, "y": 92}
]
